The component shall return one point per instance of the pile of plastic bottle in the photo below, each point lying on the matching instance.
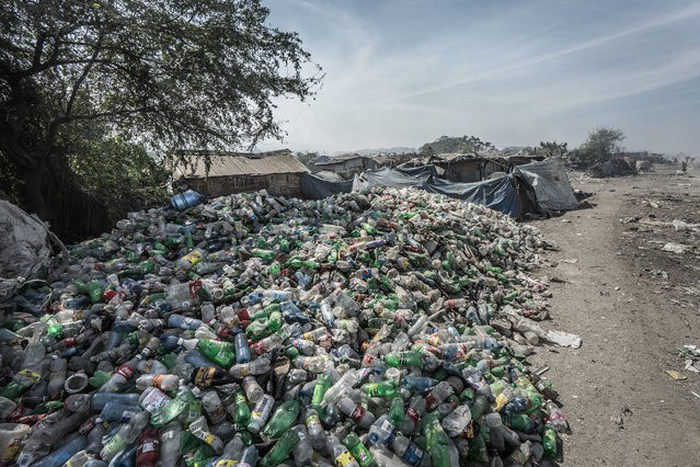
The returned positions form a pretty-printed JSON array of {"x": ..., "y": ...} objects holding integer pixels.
[{"x": 383, "y": 328}]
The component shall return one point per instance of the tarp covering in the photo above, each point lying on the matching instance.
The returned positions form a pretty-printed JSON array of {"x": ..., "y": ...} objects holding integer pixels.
[
  {"x": 551, "y": 184},
  {"x": 499, "y": 194},
  {"x": 539, "y": 187},
  {"x": 27, "y": 246},
  {"x": 395, "y": 178},
  {"x": 314, "y": 187}
]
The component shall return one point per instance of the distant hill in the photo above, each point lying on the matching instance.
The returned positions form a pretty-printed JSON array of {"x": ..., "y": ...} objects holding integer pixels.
[
  {"x": 459, "y": 144},
  {"x": 375, "y": 151}
]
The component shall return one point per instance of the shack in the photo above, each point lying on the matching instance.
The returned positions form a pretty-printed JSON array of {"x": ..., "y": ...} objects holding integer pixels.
[
  {"x": 348, "y": 165},
  {"x": 278, "y": 172},
  {"x": 467, "y": 168}
]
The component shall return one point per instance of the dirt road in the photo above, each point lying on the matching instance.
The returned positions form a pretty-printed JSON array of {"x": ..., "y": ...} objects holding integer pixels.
[{"x": 623, "y": 408}]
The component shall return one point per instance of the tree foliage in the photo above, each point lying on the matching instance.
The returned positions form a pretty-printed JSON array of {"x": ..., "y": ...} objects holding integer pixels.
[
  {"x": 602, "y": 144},
  {"x": 458, "y": 144},
  {"x": 172, "y": 72},
  {"x": 307, "y": 158},
  {"x": 552, "y": 149}
]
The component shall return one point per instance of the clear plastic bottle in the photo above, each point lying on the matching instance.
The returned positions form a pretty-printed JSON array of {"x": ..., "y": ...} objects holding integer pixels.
[
  {"x": 125, "y": 436},
  {"x": 355, "y": 412}
]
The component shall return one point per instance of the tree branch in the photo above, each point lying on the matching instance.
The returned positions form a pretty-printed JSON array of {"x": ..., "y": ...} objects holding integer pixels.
[{"x": 81, "y": 78}]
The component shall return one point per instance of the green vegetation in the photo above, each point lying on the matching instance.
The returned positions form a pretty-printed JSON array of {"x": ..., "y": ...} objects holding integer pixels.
[
  {"x": 306, "y": 158},
  {"x": 602, "y": 144},
  {"x": 458, "y": 144},
  {"x": 81, "y": 78}
]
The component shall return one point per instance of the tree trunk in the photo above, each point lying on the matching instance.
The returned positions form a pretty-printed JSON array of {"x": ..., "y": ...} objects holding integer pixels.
[{"x": 33, "y": 181}]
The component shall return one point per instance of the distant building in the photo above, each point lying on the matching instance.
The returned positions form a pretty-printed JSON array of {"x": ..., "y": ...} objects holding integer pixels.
[
  {"x": 278, "y": 172},
  {"x": 347, "y": 165},
  {"x": 466, "y": 168}
]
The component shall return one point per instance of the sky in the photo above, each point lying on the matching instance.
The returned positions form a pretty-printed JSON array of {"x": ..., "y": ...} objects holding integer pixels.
[{"x": 404, "y": 72}]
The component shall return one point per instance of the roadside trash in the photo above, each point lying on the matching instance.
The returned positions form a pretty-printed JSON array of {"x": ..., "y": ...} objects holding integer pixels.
[
  {"x": 388, "y": 327},
  {"x": 673, "y": 247},
  {"x": 675, "y": 375},
  {"x": 691, "y": 354}
]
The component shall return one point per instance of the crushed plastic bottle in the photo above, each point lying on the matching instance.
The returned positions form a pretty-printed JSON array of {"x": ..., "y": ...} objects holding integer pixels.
[{"x": 388, "y": 327}]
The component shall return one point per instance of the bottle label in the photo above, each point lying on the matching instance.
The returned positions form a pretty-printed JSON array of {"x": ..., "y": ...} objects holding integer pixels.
[
  {"x": 204, "y": 376},
  {"x": 344, "y": 458},
  {"x": 125, "y": 371},
  {"x": 412, "y": 414},
  {"x": 33, "y": 376},
  {"x": 193, "y": 288},
  {"x": 155, "y": 382},
  {"x": 358, "y": 414},
  {"x": 413, "y": 455},
  {"x": 154, "y": 400},
  {"x": 149, "y": 446},
  {"x": 10, "y": 451}
]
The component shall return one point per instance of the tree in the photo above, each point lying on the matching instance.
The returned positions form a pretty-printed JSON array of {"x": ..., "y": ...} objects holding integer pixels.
[
  {"x": 170, "y": 72},
  {"x": 459, "y": 144},
  {"x": 307, "y": 158},
  {"x": 552, "y": 148},
  {"x": 602, "y": 144}
]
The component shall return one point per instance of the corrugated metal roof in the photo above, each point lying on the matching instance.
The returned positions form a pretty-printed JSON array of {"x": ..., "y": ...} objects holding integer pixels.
[{"x": 225, "y": 165}]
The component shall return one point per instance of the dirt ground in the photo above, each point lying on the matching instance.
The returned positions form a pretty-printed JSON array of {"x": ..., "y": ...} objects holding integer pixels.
[{"x": 633, "y": 304}]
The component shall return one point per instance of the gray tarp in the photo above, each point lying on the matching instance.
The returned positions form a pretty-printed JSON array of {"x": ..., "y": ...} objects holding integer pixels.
[
  {"x": 551, "y": 184},
  {"x": 28, "y": 249},
  {"x": 500, "y": 194},
  {"x": 314, "y": 187},
  {"x": 536, "y": 187}
]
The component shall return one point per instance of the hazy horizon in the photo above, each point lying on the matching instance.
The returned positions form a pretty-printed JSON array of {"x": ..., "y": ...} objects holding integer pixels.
[{"x": 402, "y": 73}]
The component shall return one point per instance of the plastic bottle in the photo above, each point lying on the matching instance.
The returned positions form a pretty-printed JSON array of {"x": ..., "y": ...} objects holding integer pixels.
[
  {"x": 170, "y": 443},
  {"x": 355, "y": 412},
  {"x": 284, "y": 416},
  {"x": 260, "y": 414},
  {"x": 253, "y": 391},
  {"x": 147, "y": 451},
  {"x": 125, "y": 436},
  {"x": 359, "y": 451},
  {"x": 281, "y": 450}
]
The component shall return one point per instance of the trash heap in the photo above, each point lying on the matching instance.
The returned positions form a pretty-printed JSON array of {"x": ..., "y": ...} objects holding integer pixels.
[{"x": 388, "y": 327}]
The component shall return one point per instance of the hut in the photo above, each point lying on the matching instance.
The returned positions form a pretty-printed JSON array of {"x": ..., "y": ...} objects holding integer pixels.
[{"x": 278, "y": 172}]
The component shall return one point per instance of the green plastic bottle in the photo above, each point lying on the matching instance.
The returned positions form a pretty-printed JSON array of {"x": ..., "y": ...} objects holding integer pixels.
[
  {"x": 323, "y": 383},
  {"x": 53, "y": 327},
  {"x": 381, "y": 389},
  {"x": 222, "y": 353},
  {"x": 241, "y": 411},
  {"x": 549, "y": 442},
  {"x": 477, "y": 449},
  {"x": 523, "y": 423},
  {"x": 264, "y": 327},
  {"x": 172, "y": 409},
  {"x": 265, "y": 313},
  {"x": 92, "y": 289},
  {"x": 267, "y": 255},
  {"x": 282, "y": 449},
  {"x": 282, "y": 419},
  {"x": 396, "y": 359},
  {"x": 397, "y": 412},
  {"x": 359, "y": 451}
]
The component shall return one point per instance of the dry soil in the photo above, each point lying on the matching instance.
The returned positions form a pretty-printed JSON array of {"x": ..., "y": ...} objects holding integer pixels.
[{"x": 633, "y": 304}]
